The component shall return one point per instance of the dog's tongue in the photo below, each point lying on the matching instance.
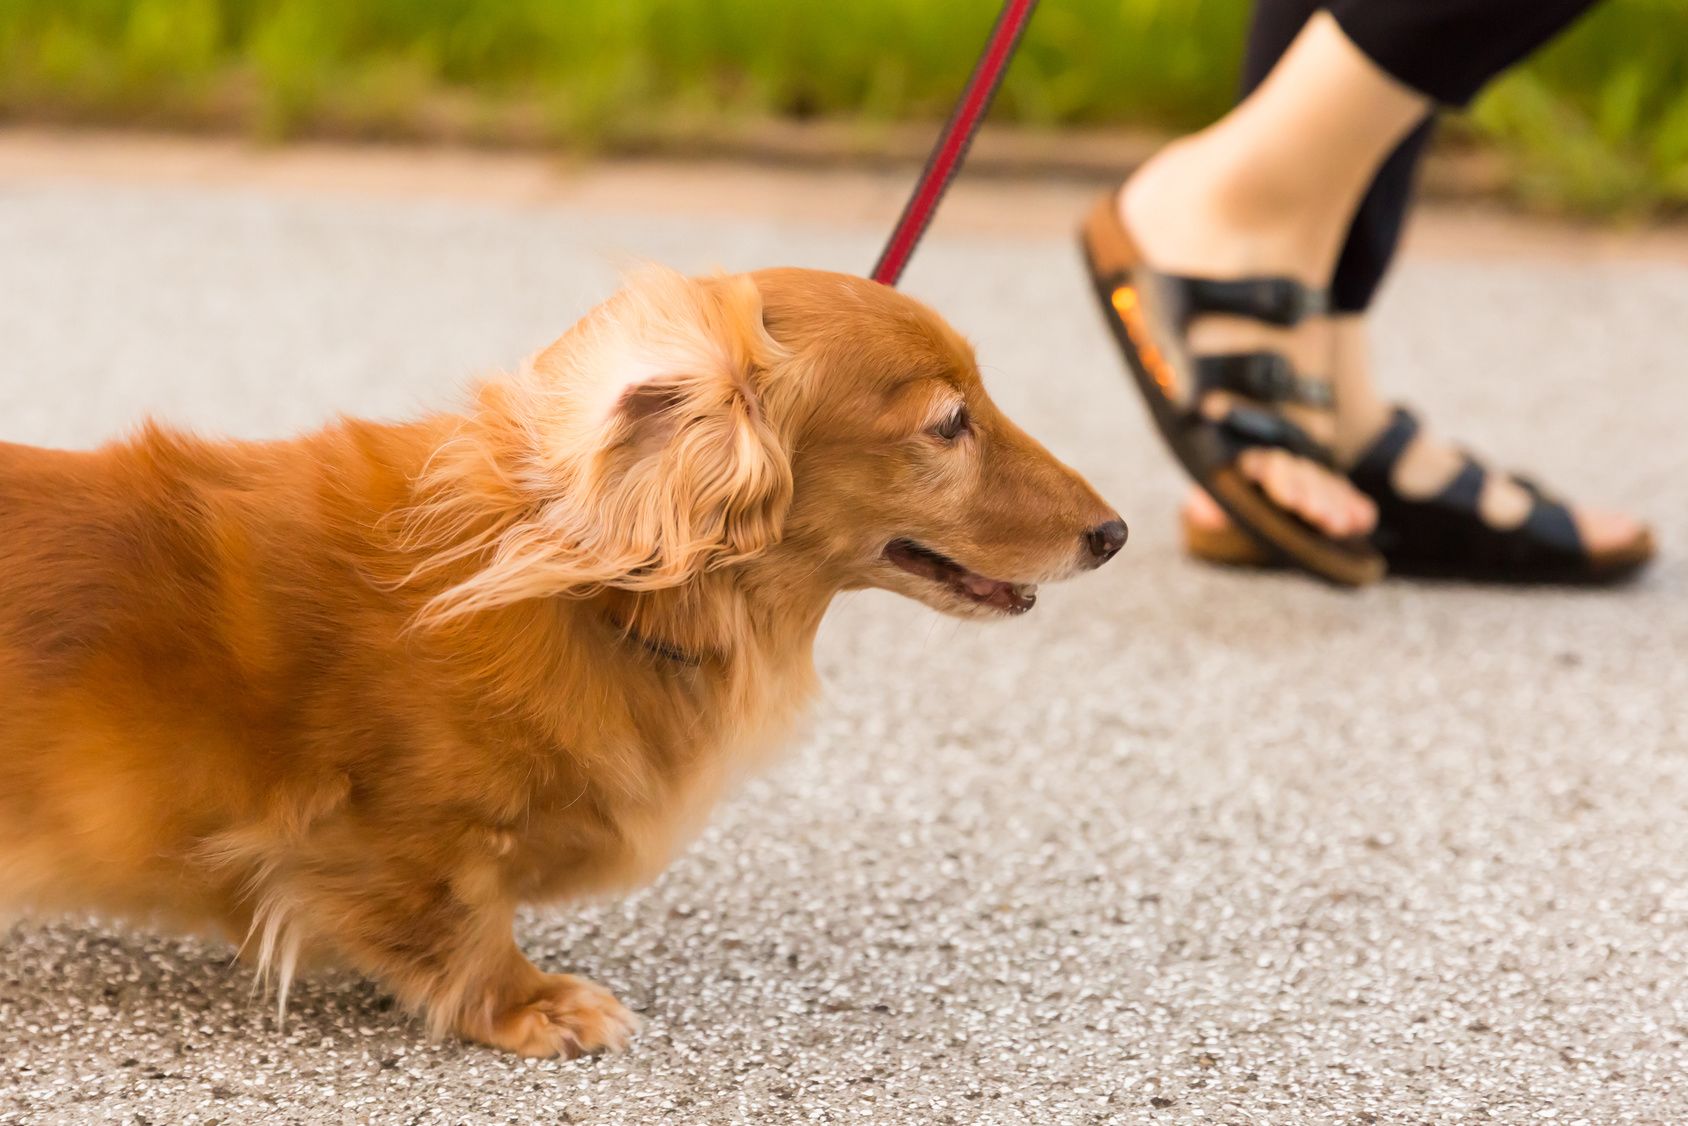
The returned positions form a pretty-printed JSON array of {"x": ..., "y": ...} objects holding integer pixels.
[{"x": 1014, "y": 597}]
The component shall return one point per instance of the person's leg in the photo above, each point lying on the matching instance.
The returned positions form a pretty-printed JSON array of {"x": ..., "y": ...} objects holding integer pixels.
[
  {"x": 1450, "y": 49},
  {"x": 1270, "y": 189},
  {"x": 1272, "y": 27},
  {"x": 1373, "y": 234},
  {"x": 1447, "y": 48},
  {"x": 1367, "y": 253},
  {"x": 1285, "y": 169}
]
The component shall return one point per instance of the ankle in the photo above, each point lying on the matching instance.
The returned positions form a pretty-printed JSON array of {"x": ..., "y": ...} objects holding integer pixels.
[
  {"x": 1200, "y": 200},
  {"x": 1361, "y": 412},
  {"x": 1357, "y": 427},
  {"x": 1257, "y": 183}
]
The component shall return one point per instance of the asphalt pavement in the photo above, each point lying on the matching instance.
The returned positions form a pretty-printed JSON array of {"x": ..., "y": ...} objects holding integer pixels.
[{"x": 1180, "y": 846}]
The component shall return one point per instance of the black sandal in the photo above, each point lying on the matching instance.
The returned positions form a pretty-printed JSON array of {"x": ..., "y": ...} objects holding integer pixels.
[
  {"x": 1446, "y": 537},
  {"x": 1149, "y": 313}
]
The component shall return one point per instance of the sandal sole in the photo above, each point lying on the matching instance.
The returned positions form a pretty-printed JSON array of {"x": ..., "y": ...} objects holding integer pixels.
[{"x": 1232, "y": 547}]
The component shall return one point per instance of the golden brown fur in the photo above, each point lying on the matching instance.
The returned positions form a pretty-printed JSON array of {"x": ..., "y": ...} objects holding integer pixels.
[{"x": 366, "y": 691}]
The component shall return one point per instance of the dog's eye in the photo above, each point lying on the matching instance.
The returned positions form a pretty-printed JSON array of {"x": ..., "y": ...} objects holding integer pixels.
[{"x": 954, "y": 426}]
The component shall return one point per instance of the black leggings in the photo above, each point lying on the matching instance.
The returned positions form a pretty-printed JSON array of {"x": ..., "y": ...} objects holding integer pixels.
[{"x": 1446, "y": 50}]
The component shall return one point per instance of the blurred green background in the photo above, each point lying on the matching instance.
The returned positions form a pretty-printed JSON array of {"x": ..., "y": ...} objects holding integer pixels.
[{"x": 1597, "y": 124}]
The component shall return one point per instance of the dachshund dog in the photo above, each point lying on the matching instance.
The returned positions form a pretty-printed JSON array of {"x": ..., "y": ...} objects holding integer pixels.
[{"x": 364, "y": 692}]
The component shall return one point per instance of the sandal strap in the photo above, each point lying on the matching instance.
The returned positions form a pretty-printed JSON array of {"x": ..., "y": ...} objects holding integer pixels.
[
  {"x": 1465, "y": 492},
  {"x": 1243, "y": 427},
  {"x": 1450, "y": 526},
  {"x": 1266, "y": 377},
  {"x": 1547, "y": 526},
  {"x": 1273, "y": 300},
  {"x": 1534, "y": 488},
  {"x": 1376, "y": 465},
  {"x": 1552, "y": 524}
]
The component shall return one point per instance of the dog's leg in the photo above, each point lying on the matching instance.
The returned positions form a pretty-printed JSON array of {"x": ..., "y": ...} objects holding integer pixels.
[{"x": 444, "y": 946}]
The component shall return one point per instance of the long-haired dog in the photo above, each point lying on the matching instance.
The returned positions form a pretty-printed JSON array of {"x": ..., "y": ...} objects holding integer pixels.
[{"x": 366, "y": 691}]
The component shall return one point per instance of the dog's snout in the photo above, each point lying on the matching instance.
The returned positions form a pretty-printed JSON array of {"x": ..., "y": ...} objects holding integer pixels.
[{"x": 1104, "y": 541}]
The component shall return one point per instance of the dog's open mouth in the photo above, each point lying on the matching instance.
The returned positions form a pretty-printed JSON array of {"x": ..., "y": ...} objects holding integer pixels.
[{"x": 1010, "y": 598}]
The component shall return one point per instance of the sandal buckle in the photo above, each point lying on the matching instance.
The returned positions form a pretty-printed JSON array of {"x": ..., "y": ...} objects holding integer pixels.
[
  {"x": 1276, "y": 381},
  {"x": 1288, "y": 302}
]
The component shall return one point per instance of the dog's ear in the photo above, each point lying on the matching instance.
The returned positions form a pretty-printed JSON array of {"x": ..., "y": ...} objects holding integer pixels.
[
  {"x": 690, "y": 473},
  {"x": 633, "y": 453}
]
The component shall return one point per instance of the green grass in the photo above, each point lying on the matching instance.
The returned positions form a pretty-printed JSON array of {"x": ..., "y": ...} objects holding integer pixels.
[{"x": 1599, "y": 122}]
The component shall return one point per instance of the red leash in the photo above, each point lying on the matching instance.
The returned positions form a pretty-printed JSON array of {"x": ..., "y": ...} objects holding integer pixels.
[{"x": 952, "y": 144}]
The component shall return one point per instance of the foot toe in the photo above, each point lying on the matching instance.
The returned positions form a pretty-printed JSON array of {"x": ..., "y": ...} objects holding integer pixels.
[
  {"x": 1325, "y": 500},
  {"x": 1202, "y": 511},
  {"x": 1604, "y": 532}
]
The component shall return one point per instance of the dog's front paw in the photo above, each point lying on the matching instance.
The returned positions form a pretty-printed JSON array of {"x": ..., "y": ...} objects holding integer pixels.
[{"x": 569, "y": 1017}]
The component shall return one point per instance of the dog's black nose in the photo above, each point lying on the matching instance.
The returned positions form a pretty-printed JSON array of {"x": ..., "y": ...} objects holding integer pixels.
[{"x": 1104, "y": 541}]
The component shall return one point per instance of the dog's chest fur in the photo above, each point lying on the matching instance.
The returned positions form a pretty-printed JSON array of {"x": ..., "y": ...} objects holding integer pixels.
[{"x": 610, "y": 768}]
